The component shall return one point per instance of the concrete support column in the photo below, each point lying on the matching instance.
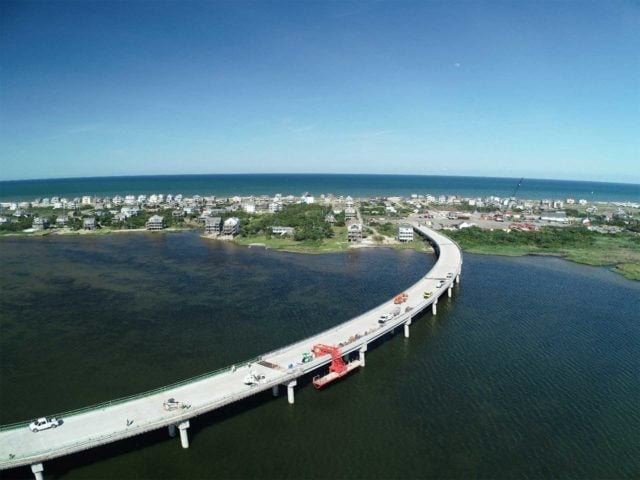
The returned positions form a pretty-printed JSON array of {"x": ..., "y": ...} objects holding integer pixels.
[
  {"x": 406, "y": 328},
  {"x": 275, "y": 390},
  {"x": 37, "y": 470},
  {"x": 172, "y": 430},
  {"x": 434, "y": 308},
  {"x": 458, "y": 278},
  {"x": 184, "y": 436},
  {"x": 290, "y": 394},
  {"x": 449, "y": 292},
  {"x": 361, "y": 353}
]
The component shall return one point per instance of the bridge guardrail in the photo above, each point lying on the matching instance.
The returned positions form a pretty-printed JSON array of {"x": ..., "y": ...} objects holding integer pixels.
[
  {"x": 120, "y": 400},
  {"x": 89, "y": 442}
]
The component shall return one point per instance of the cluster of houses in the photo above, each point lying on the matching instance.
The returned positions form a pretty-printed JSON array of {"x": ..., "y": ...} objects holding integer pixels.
[
  {"x": 209, "y": 210},
  {"x": 495, "y": 202}
]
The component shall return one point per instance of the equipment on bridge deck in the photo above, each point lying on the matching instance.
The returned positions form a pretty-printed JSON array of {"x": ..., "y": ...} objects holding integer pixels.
[
  {"x": 253, "y": 378},
  {"x": 337, "y": 369},
  {"x": 307, "y": 357},
  {"x": 427, "y": 294},
  {"x": 400, "y": 298},
  {"x": 173, "y": 404}
]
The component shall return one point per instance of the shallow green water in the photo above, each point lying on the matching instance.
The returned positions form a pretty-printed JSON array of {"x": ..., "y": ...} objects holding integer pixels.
[{"x": 531, "y": 370}]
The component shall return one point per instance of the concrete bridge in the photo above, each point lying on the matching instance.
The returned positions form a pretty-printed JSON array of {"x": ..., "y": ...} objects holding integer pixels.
[{"x": 112, "y": 421}]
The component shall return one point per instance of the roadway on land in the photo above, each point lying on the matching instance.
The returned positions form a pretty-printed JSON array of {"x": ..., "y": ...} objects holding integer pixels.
[{"x": 118, "y": 420}]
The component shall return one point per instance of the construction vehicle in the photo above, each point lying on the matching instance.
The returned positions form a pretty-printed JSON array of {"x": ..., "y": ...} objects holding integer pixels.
[
  {"x": 400, "y": 298},
  {"x": 307, "y": 357},
  {"x": 337, "y": 369},
  {"x": 427, "y": 294}
]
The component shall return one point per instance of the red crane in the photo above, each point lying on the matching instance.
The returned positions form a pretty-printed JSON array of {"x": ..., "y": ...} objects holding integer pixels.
[
  {"x": 337, "y": 363},
  {"x": 337, "y": 368}
]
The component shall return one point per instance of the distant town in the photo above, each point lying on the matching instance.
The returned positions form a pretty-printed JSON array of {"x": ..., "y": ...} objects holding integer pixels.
[{"x": 378, "y": 219}]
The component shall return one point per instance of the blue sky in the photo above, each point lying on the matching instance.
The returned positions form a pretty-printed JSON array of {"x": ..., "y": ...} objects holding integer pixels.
[{"x": 518, "y": 89}]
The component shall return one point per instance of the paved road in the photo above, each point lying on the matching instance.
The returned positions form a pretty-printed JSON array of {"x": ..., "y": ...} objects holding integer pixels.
[{"x": 108, "y": 423}]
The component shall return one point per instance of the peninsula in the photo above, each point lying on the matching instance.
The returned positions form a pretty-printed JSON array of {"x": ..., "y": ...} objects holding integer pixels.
[{"x": 593, "y": 233}]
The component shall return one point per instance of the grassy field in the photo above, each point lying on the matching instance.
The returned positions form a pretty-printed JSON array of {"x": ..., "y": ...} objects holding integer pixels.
[
  {"x": 622, "y": 251},
  {"x": 338, "y": 243}
]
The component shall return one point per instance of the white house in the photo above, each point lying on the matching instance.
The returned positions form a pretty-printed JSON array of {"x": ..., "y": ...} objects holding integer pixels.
[
  {"x": 405, "y": 233},
  {"x": 354, "y": 232},
  {"x": 155, "y": 222},
  {"x": 231, "y": 226}
]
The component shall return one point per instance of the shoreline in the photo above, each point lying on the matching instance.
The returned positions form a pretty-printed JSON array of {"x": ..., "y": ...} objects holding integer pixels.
[{"x": 591, "y": 256}]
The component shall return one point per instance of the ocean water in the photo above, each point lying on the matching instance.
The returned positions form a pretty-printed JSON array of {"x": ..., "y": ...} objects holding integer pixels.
[
  {"x": 529, "y": 371},
  {"x": 317, "y": 184}
]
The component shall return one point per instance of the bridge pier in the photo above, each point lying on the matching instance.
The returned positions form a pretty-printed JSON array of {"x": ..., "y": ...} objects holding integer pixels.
[
  {"x": 449, "y": 291},
  {"x": 290, "y": 393},
  {"x": 184, "y": 436},
  {"x": 37, "y": 470},
  {"x": 458, "y": 278},
  {"x": 361, "y": 352},
  {"x": 275, "y": 390},
  {"x": 172, "y": 430},
  {"x": 406, "y": 328},
  {"x": 434, "y": 309}
]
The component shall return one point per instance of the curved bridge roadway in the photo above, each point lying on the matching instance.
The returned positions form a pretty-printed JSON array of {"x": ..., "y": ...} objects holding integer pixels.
[{"x": 125, "y": 418}]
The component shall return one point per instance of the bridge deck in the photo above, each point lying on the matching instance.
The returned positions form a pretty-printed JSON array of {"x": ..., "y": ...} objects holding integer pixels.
[{"x": 109, "y": 423}]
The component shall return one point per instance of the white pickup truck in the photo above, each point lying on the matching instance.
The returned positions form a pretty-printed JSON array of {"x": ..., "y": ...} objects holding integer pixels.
[{"x": 44, "y": 423}]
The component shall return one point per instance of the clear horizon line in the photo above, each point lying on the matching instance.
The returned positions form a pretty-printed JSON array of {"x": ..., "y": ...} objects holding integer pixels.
[{"x": 308, "y": 174}]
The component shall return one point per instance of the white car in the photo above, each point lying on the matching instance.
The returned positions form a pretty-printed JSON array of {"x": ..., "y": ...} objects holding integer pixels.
[
  {"x": 440, "y": 284},
  {"x": 44, "y": 423}
]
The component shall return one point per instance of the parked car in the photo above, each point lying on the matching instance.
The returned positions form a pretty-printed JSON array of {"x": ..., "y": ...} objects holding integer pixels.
[
  {"x": 44, "y": 423},
  {"x": 171, "y": 404}
]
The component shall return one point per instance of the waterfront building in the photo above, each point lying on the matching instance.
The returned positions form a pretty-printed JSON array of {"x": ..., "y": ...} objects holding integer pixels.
[
  {"x": 231, "y": 226},
  {"x": 330, "y": 219},
  {"x": 86, "y": 200},
  {"x": 40, "y": 223},
  {"x": 4, "y": 220},
  {"x": 62, "y": 220},
  {"x": 354, "y": 232},
  {"x": 89, "y": 223},
  {"x": 405, "y": 233},
  {"x": 156, "y": 222},
  {"x": 213, "y": 225}
]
